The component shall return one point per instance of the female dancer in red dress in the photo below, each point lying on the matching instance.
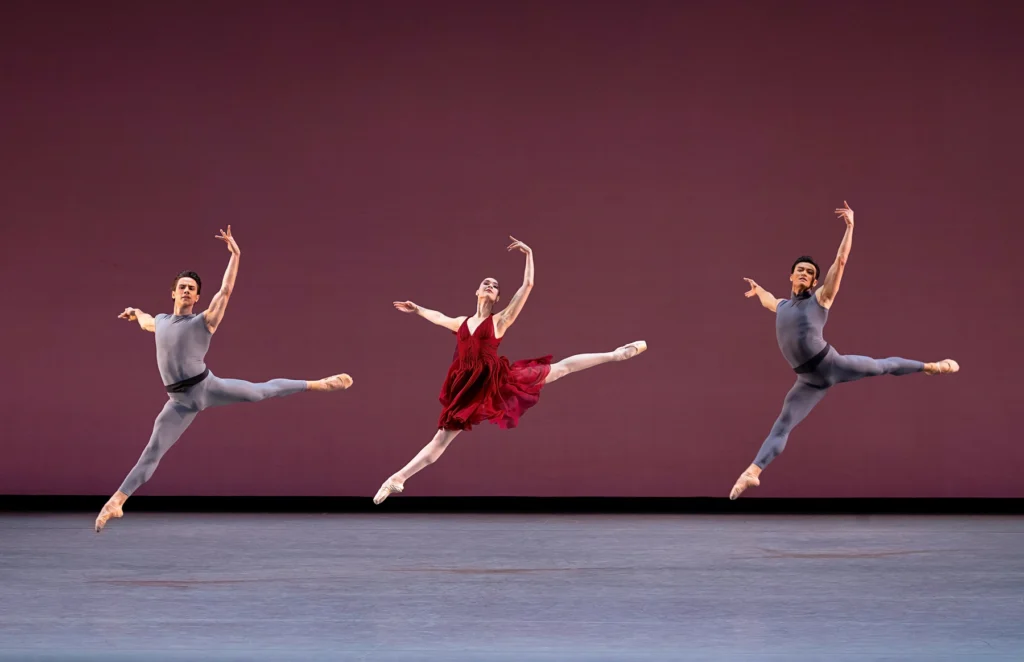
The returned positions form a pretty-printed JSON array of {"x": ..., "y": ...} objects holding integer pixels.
[{"x": 483, "y": 386}]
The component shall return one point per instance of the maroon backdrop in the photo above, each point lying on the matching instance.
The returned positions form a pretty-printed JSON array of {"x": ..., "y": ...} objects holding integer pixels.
[{"x": 653, "y": 154}]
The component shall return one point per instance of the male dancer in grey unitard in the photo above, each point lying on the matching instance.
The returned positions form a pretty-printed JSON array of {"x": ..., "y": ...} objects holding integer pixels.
[
  {"x": 182, "y": 340},
  {"x": 799, "y": 323}
]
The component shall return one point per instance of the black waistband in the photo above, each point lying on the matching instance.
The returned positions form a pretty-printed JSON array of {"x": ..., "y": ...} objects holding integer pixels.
[
  {"x": 186, "y": 384},
  {"x": 810, "y": 365}
]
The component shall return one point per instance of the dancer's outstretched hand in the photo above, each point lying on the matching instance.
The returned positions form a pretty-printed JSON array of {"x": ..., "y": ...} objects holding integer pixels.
[
  {"x": 846, "y": 213},
  {"x": 128, "y": 314},
  {"x": 230, "y": 241},
  {"x": 520, "y": 245},
  {"x": 405, "y": 306},
  {"x": 753, "y": 289}
]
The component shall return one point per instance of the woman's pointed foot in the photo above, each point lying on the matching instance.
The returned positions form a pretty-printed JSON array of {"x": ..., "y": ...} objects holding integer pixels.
[
  {"x": 749, "y": 478},
  {"x": 111, "y": 509},
  {"x": 943, "y": 367},
  {"x": 632, "y": 349},
  {"x": 390, "y": 486}
]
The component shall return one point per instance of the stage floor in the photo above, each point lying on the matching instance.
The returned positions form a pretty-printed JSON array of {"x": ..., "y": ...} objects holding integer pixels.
[{"x": 511, "y": 587}]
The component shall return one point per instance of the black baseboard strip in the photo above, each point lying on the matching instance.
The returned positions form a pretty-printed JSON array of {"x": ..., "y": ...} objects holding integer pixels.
[{"x": 540, "y": 505}]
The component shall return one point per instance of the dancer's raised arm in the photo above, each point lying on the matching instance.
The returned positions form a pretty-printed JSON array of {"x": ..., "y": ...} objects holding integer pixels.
[
  {"x": 508, "y": 316},
  {"x": 145, "y": 320},
  {"x": 215, "y": 313},
  {"x": 440, "y": 319},
  {"x": 827, "y": 294},
  {"x": 766, "y": 297}
]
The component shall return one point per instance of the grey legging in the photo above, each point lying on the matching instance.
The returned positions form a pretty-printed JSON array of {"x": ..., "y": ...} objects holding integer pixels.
[
  {"x": 811, "y": 387},
  {"x": 182, "y": 408}
]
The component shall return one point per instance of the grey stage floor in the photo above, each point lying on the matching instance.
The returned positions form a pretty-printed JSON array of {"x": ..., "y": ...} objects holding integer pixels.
[{"x": 508, "y": 587}]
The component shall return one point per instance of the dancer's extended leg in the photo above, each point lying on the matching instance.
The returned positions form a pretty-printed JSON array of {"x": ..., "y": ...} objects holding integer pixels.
[
  {"x": 850, "y": 367},
  {"x": 427, "y": 456},
  {"x": 583, "y": 361},
  {"x": 798, "y": 403},
  {"x": 172, "y": 421},
  {"x": 218, "y": 392}
]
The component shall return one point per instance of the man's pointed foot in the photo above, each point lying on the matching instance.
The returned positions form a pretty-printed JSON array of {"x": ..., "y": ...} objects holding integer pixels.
[
  {"x": 747, "y": 479},
  {"x": 333, "y": 383},
  {"x": 943, "y": 367},
  {"x": 111, "y": 509}
]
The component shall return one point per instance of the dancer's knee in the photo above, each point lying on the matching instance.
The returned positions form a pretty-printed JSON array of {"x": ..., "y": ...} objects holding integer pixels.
[
  {"x": 557, "y": 371},
  {"x": 253, "y": 392},
  {"x": 899, "y": 366},
  {"x": 275, "y": 388}
]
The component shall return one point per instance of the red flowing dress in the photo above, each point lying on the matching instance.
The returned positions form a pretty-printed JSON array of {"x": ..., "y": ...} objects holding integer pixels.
[{"x": 483, "y": 386}]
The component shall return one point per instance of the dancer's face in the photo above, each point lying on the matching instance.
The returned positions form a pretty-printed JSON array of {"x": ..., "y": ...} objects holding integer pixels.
[
  {"x": 804, "y": 276},
  {"x": 185, "y": 292},
  {"x": 488, "y": 289}
]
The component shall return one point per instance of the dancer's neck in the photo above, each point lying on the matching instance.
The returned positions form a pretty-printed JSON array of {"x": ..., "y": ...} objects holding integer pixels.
[
  {"x": 484, "y": 308},
  {"x": 181, "y": 311},
  {"x": 801, "y": 292}
]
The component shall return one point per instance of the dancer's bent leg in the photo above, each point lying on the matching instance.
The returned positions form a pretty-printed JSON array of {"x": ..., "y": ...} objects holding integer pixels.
[
  {"x": 427, "y": 456},
  {"x": 799, "y": 402},
  {"x": 583, "y": 361}
]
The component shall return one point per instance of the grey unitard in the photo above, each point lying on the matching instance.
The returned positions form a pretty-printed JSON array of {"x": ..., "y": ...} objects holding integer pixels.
[
  {"x": 182, "y": 342},
  {"x": 799, "y": 326}
]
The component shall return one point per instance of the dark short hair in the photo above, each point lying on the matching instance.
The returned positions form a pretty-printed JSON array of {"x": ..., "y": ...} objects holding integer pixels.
[
  {"x": 809, "y": 260},
  {"x": 188, "y": 274}
]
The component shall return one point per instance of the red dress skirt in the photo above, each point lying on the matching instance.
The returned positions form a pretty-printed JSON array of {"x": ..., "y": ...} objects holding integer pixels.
[{"x": 483, "y": 386}]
